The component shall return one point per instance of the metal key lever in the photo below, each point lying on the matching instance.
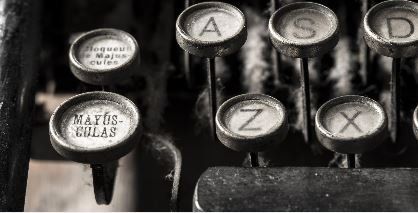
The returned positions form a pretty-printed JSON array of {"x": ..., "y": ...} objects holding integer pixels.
[
  {"x": 96, "y": 128},
  {"x": 389, "y": 30},
  {"x": 286, "y": 34},
  {"x": 223, "y": 189},
  {"x": 104, "y": 181},
  {"x": 204, "y": 30},
  {"x": 100, "y": 58}
]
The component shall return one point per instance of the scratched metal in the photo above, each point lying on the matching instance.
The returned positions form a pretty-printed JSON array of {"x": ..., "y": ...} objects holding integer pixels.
[{"x": 224, "y": 189}]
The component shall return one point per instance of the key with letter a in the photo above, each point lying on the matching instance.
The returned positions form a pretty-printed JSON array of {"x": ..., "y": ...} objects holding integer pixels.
[{"x": 211, "y": 29}]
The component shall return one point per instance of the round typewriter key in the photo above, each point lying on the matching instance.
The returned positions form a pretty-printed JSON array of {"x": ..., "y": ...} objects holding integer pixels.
[
  {"x": 390, "y": 30},
  {"x": 351, "y": 124},
  {"x": 104, "y": 56},
  {"x": 96, "y": 128},
  {"x": 251, "y": 123},
  {"x": 304, "y": 30},
  {"x": 211, "y": 29},
  {"x": 415, "y": 122}
]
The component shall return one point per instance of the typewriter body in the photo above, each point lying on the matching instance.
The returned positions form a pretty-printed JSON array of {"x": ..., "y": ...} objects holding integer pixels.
[{"x": 180, "y": 163}]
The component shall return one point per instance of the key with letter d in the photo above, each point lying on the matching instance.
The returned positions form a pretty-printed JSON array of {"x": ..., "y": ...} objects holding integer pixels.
[{"x": 390, "y": 29}]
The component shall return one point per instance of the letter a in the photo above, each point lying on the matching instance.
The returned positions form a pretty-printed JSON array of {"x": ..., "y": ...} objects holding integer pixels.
[
  {"x": 215, "y": 27},
  {"x": 397, "y": 21}
]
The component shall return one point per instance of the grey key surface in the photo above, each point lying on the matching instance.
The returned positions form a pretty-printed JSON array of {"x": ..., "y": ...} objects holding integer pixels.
[{"x": 213, "y": 24}]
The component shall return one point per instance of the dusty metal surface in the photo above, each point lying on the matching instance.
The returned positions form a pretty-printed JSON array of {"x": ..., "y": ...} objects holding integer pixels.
[{"x": 306, "y": 189}]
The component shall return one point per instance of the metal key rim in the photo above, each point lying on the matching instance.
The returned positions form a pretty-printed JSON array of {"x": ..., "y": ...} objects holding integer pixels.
[
  {"x": 374, "y": 137},
  {"x": 385, "y": 46},
  {"x": 95, "y": 155},
  {"x": 122, "y": 35},
  {"x": 304, "y": 50},
  {"x": 103, "y": 76},
  {"x": 217, "y": 48},
  {"x": 251, "y": 143}
]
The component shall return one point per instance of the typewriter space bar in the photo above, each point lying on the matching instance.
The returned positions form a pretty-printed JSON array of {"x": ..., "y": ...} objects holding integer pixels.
[{"x": 306, "y": 189}]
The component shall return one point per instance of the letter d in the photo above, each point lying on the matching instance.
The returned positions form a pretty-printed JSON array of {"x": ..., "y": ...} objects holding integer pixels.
[{"x": 396, "y": 21}]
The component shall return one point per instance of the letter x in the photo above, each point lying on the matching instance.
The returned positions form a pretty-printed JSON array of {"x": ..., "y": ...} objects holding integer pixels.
[{"x": 350, "y": 121}]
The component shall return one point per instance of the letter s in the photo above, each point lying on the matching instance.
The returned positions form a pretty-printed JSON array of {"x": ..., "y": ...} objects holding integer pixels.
[{"x": 299, "y": 24}]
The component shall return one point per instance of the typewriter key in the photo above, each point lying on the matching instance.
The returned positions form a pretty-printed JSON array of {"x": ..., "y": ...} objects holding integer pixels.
[
  {"x": 96, "y": 128},
  {"x": 351, "y": 125},
  {"x": 390, "y": 30},
  {"x": 304, "y": 30},
  {"x": 104, "y": 56},
  {"x": 209, "y": 30},
  {"x": 251, "y": 123}
]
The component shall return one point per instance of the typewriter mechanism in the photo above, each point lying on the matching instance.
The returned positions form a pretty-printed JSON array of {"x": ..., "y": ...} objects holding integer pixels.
[{"x": 270, "y": 105}]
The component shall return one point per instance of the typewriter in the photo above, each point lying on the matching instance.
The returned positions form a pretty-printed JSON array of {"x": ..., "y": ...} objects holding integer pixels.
[{"x": 270, "y": 105}]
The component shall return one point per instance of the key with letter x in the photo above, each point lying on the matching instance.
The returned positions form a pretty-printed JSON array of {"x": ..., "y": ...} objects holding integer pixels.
[
  {"x": 350, "y": 121},
  {"x": 351, "y": 125},
  {"x": 251, "y": 123}
]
